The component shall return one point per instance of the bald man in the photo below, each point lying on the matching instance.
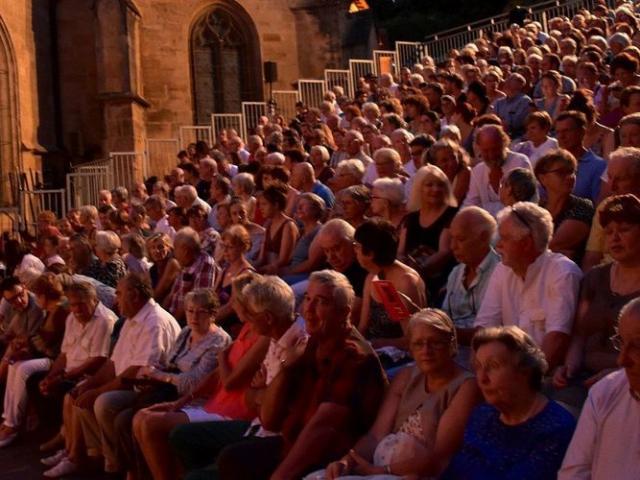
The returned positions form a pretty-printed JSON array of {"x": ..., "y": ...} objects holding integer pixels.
[
  {"x": 303, "y": 179},
  {"x": 471, "y": 231}
]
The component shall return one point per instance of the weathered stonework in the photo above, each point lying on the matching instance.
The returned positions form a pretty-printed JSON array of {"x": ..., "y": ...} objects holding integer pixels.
[{"x": 86, "y": 77}]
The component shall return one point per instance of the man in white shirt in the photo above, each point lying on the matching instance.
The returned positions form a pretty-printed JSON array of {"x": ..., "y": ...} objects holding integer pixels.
[
  {"x": 492, "y": 143},
  {"x": 532, "y": 288},
  {"x": 187, "y": 196},
  {"x": 156, "y": 210},
  {"x": 606, "y": 443},
  {"x": 105, "y": 399}
]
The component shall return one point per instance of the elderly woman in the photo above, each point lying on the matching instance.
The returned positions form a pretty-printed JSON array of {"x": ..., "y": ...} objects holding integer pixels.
[
  {"x": 348, "y": 172},
  {"x": 198, "y": 220},
  {"x": 319, "y": 156},
  {"x": 165, "y": 268},
  {"x": 353, "y": 204},
  {"x": 307, "y": 254},
  {"x": 88, "y": 218},
  {"x": 376, "y": 246},
  {"x": 572, "y": 215},
  {"x": 605, "y": 290},
  {"x": 35, "y": 354},
  {"x": 492, "y": 80},
  {"x": 518, "y": 433},
  {"x": 453, "y": 160},
  {"x": 239, "y": 216},
  {"x": 112, "y": 267},
  {"x": 519, "y": 185},
  {"x": 244, "y": 187},
  {"x": 387, "y": 200},
  {"x": 235, "y": 243},
  {"x": 420, "y": 423},
  {"x": 424, "y": 237},
  {"x": 281, "y": 231},
  {"x": 218, "y": 397}
]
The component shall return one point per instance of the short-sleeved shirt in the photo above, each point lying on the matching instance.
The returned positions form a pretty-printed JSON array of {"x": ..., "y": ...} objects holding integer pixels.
[
  {"x": 200, "y": 274},
  {"x": 146, "y": 338},
  {"x": 347, "y": 373},
  {"x": 91, "y": 340},
  {"x": 545, "y": 301}
]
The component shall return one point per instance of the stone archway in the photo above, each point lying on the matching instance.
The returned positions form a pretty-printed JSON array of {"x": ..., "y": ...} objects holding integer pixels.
[
  {"x": 9, "y": 127},
  {"x": 225, "y": 61}
]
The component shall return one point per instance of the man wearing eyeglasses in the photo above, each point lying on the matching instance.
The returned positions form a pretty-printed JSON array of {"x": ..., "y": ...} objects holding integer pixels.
[
  {"x": 606, "y": 443},
  {"x": 532, "y": 287},
  {"x": 22, "y": 319}
]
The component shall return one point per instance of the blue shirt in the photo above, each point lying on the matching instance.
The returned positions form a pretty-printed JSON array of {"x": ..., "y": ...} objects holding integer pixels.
[
  {"x": 514, "y": 111},
  {"x": 324, "y": 193},
  {"x": 588, "y": 179},
  {"x": 532, "y": 450}
]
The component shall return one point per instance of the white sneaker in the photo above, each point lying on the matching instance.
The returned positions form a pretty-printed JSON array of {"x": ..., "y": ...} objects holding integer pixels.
[
  {"x": 65, "y": 467},
  {"x": 54, "y": 459}
]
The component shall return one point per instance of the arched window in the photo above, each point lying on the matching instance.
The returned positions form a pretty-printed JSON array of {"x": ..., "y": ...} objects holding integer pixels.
[{"x": 225, "y": 61}]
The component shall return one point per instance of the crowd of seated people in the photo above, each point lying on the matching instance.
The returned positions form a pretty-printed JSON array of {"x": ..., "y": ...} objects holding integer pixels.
[{"x": 437, "y": 278}]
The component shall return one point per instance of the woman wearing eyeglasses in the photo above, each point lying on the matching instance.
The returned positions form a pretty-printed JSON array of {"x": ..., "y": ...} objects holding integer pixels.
[
  {"x": 605, "y": 290},
  {"x": 420, "y": 423},
  {"x": 572, "y": 215}
]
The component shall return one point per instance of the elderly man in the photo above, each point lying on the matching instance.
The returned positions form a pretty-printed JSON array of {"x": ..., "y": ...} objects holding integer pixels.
[
  {"x": 198, "y": 270},
  {"x": 157, "y": 213},
  {"x": 571, "y": 128},
  {"x": 623, "y": 172},
  {"x": 323, "y": 398},
  {"x": 606, "y": 441},
  {"x": 493, "y": 146},
  {"x": 273, "y": 300},
  {"x": 471, "y": 231},
  {"x": 85, "y": 348},
  {"x": 145, "y": 340},
  {"x": 514, "y": 108},
  {"x": 387, "y": 163},
  {"x": 187, "y": 196},
  {"x": 532, "y": 288},
  {"x": 400, "y": 139},
  {"x": 220, "y": 193},
  {"x": 304, "y": 180},
  {"x": 348, "y": 172},
  {"x": 354, "y": 146},
  {"x": 207, "y": 171}
]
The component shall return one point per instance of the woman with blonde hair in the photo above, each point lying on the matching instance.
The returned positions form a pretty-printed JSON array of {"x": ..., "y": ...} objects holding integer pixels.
[
  {"x": 453, "y": 160},
  {"x": 165, "y": 268},
  {"x": 424, "y": 237}
]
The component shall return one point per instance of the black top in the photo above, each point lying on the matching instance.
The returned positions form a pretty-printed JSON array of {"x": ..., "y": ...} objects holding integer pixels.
[
  {"x": 420, "y": 240},
  {"x": 356, "y": 276}
]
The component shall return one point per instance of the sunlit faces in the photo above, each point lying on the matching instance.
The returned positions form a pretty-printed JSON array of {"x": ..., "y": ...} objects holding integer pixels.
[
  {"x": 433, "y": 191},
  {"x": 511, "y": 243},
  {"x": 496, "y": 370},
  {"x": 320, "y": 310},
  {"x": 622, "y": 240},
  {"x": 430, "y": 347},
  {"x": 339, "y": 251}
]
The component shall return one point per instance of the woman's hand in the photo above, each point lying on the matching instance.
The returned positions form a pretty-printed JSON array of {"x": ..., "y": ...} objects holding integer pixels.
[
  {"x": 339, "y": 468},
  {"x": 364, "y": 467}
]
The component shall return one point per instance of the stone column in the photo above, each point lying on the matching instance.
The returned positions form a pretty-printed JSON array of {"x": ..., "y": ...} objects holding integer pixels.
[{"x": 119, "y": 76}]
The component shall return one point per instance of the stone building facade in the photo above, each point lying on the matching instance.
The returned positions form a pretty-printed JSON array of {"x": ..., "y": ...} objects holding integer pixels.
[{"x": 81, "y": 78}]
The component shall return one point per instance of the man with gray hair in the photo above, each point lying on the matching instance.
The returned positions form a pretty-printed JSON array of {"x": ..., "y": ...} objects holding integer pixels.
[
  {"x": 348, "y": 172},
  {"x": 515, "y": 107},
  {"x": 198, "y": 270},
  {"x": 354, "y": 146},
  {"x": 187, "y": 196},
  {"x": 532, "y": 288},
  {"x": 316, "y": 428},
  {"x": 492, "y": 144}
]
